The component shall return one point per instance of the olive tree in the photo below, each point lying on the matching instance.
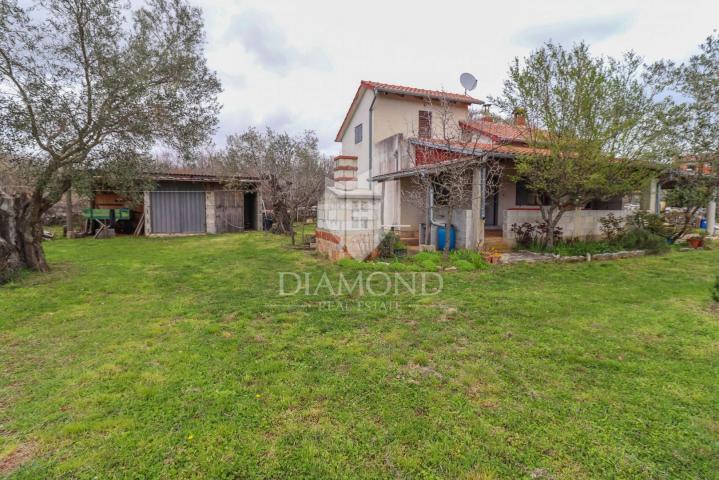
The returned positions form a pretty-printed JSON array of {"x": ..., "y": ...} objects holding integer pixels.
[
  {"x": 591, "y": 123},
  {"x": 292, "y": 167},
  {"x": 89, "y": 87},
  {"x": 693, "y": 88}
]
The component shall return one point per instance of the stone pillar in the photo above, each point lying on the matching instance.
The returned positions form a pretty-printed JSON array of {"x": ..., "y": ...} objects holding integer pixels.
[
  {"x": 711, "y": 217},
  {"x": 147, "y": 208},
  {"x": 649, "y": 199},
  {"x": 210, "y": 225},
  {"x": 478, "y": 188}
]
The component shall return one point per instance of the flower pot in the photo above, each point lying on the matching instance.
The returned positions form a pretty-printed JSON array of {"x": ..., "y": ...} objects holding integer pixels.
[{"x": 695, "y": 242}]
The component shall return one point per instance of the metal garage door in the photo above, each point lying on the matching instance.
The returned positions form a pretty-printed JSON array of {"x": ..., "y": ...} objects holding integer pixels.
[{"x": 177, "y": 212}]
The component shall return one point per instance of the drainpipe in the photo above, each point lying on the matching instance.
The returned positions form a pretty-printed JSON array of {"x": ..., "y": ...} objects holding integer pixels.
[
  {"x": 369, "y": 180},
  {"x": 371, "y": 146}
]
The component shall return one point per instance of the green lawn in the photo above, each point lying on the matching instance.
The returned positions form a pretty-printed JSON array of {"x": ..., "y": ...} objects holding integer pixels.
[{"x": 164, "y": 358}]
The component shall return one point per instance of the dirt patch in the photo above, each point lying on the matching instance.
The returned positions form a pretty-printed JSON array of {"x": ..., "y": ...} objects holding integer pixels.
[{"x": 15, "y": 458}]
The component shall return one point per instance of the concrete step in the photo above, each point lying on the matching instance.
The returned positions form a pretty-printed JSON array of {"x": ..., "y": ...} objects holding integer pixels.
[{"x": 410, "y": 240}]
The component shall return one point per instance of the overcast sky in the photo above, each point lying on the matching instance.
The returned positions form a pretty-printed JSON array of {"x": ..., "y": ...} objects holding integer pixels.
[{"x": 295, "y": 65}]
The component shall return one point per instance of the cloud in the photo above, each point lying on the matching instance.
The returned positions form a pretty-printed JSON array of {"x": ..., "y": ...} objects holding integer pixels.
[
  {"x": 591, "y": 30},
  {"x": 267, "y": 43},
  {"x": 279, "y": 120}
]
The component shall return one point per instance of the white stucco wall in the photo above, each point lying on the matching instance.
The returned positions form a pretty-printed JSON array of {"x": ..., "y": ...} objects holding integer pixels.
[
  {"x": 392, "y": 114},
  {"x": 579, "y": 224},
  {"x": 360, "y": 150},
  {"x": 396, "y": 114}
]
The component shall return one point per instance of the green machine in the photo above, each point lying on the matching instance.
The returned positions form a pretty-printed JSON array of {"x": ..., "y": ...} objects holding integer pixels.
[
  {"x": 106, "y": 218},
  {"x": 106, "y": 213}
]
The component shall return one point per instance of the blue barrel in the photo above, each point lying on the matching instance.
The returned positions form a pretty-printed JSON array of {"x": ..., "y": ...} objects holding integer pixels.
[
  {"x": 441, "y": 236},
  {"x": 703, "y": 224}
]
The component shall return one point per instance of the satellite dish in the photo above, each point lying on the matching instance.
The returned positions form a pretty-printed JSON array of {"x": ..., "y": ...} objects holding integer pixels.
[{"x": 468, "y": 82}]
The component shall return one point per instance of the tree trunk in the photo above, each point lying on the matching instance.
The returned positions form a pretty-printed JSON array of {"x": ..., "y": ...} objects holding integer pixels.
[
  {"x": 69, "y": 228},
  {"x": 688, "y": 215},
  {"x": 551, "y": 217},
  {"x": 428, "y": 225},
  {"x": 20, "y": 236}
]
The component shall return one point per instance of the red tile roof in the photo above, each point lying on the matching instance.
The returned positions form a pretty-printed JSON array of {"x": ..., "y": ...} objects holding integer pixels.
[
  {"x": 399, "y": 90},
  {"x": 475, "y": 148},
  {"x": 419, "y": 92},
  {"x": 498, "y": 132}
]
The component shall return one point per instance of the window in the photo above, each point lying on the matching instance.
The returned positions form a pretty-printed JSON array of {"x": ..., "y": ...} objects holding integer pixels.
[
  {"x": 526, "y": 197},
  {"x": 611, "y": 204},
  {"x": 358, "y": 133},
  {"x": 425, "y": 124}
]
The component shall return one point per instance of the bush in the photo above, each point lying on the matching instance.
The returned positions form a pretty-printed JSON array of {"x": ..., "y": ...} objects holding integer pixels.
[
  {"x": 650, "y": 222},
  {"x": 389, "y": 243},
  {"x": 611, "y": 227},
  {"x": 574, "y": 248},
  {"x": 643, "y": 239},
  {"x": 527, "y": 233}
]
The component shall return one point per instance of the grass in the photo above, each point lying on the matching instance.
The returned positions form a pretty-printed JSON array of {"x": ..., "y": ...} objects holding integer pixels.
[{"x": 165, "y": 358}]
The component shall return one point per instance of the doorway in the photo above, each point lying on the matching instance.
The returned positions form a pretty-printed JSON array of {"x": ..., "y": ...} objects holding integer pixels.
[
  {"x": 491, "y": 210},
  {"x": 251, "y": 211}
]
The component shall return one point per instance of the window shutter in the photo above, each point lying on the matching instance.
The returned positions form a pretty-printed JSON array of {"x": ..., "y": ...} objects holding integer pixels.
[{"x": 425, "y": 124}]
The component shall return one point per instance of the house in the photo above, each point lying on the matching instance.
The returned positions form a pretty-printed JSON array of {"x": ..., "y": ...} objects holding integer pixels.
[
  {"x": 188, "y": 201},
  {"x": 388, "y": 132}
]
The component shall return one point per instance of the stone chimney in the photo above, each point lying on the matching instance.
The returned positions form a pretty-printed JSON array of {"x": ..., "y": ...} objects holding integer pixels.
[
  {"x": 520, "y": 117},
  {"x": 345, "y": 173}
]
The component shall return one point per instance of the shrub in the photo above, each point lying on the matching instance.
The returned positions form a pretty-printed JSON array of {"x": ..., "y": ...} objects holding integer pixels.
[
  {"x": 583, "y": 247},
  {"x": 388, "y": 244},
  {"x": 651, "y": 222},
  {"x": 524, "y": 233},
  {"x": 528, "y": 233},
  {"x": 575, "y": 248},
  {"x": 611, "y": 227},
  {"x": 643, "y": 239}
]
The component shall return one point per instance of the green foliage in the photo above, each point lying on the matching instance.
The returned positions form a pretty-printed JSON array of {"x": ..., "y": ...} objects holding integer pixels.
[
  {"x": 469, "y": 256},
  {"x": 695, "y": 115},
  {"x": 642, "y": 239},
  {"x": 611, "y": 227},
  {"x": 633, "y": 238},
  {"x": 650, "y": 222},
  {"x": 391, "y": 246},
  {"x": 591, "y": 122},
  {"x": 715, "y": 290},
  {"x": 573, "y": 248}
]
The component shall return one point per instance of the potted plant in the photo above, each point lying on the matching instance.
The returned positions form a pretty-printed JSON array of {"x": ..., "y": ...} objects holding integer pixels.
[
  {"x": 400, "y": 249},
  {"x": 696, "y": 241}
]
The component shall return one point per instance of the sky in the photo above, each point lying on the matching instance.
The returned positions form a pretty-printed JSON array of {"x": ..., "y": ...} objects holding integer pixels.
[{"x": 295, "y": 65}]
